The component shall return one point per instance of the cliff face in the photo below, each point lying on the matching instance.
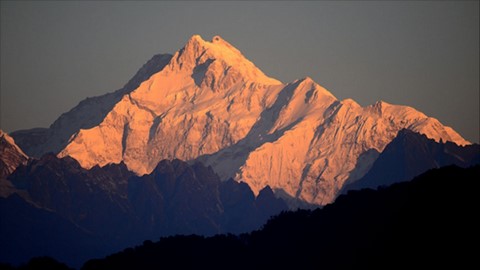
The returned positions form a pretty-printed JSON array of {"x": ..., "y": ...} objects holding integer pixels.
[{"x": 11, "y": 155}]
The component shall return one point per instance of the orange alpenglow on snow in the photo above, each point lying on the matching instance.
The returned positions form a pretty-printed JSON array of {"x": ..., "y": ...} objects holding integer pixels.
[{"x": 209, "y": 103}]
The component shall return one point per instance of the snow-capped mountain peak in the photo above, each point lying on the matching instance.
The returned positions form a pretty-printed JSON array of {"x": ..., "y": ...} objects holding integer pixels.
[
  {"x": 211, "y": 104},
  {"x": 206, "y": 98},
  {"x": 214, "y": 61}
]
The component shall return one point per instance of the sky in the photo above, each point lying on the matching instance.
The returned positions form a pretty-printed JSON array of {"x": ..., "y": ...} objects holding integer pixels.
[{"x": 54, "y": 54}]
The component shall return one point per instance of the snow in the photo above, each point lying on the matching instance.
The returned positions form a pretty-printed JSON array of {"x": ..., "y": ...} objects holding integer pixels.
[
  {"x": 186, "y": 110},
  {"x": 210, "y": 103}
]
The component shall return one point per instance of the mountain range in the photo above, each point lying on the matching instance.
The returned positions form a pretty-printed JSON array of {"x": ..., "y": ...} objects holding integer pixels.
[
  {"x": 358, "y": 231},
  {"x": 209, "y": 103},
  {"x": 201, "y": 142},
  {"x": 103, "y": 210}
]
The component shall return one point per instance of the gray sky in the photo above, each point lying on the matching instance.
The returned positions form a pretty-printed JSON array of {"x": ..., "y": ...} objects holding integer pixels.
[{"x": 421, "y": 54}]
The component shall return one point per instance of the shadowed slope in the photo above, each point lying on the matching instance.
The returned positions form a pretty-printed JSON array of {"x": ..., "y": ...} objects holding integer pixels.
[
  {"x": 411, "y": 154},
  {"x": 428, "y": 222},
  {"x": 57, "y": 208}
]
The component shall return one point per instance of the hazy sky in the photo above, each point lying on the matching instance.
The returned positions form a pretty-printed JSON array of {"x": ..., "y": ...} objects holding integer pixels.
[{"x": 421, "y": 54}]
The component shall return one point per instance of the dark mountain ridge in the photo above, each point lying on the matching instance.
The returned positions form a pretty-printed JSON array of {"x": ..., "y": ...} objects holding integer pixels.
[
  {"x": 411, "y": 154},
  {"x": 68, "y": 208},
  {"x": 426, "y": 223}
]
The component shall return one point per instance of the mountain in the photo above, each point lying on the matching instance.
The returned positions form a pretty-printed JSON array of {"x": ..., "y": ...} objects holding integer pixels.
[
  {"x": 207, "y": 98},
  {"x": 203, "y": 142},
  {"x": 12, "y": 156},
  {"x": 411, "y": 154},
  {"x": 433, "y": 221},
  {"x": 59, "y": 209},
  {"x": 211, "y": 103}
]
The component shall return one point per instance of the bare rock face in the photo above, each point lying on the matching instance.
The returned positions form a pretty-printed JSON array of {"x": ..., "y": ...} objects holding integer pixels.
[
  {"x": 210, "y": 104},
  {"x": 11, "y": 156}
]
